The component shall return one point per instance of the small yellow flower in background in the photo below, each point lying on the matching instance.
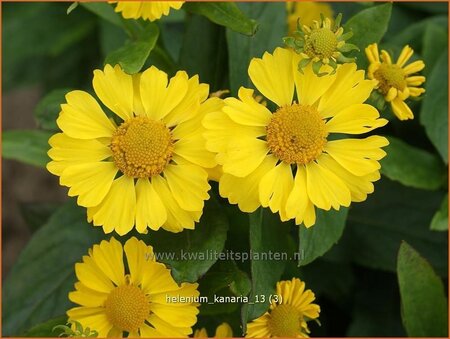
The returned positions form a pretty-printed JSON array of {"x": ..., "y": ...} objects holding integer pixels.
[
  {"x": 288, "y": 317},
  {"x": 307, "y": 12},
  {"x": 117, "y": 298},
  {"x": 287, "y": 160},
  {"x": 322, "y": 43},
  {"x": 147, "y": 170},
  {"x": 147, "y": 10},
  {"x": 222, "y": 331},
  {"x": 396, "y": 82}
]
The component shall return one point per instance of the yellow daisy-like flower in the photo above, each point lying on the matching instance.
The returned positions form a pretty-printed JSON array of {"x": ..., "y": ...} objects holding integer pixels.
[
  {"x": 288, "y": 159},
  {"x": 288, "y": 317},
  {"x": 307, "y": 12},
  {"x": 145, "y": 170},
  {"x": 222, "y": 331},
  {"x": 115, "y": 298},
  {"x": 147, "y": 10},
  {"x": 396, "y": 82}
]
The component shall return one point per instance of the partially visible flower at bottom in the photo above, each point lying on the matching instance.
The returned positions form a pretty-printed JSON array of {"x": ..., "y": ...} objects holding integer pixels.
[
  {"x": 147, "y": 10},
  {"x": 113, "y": 302},
  {"x": 222, "y": 331},
  {"x": 289, "y": 316},
  {"x": 396, "y": 82}
]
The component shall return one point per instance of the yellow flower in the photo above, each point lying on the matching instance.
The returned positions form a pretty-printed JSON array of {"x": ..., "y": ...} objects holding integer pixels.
[
  {"x": 288, "y": 160},
  {"x": 222, "y": 331},
  {"x": 396, "y": 82},
  {"x": 286, "y": 318},
  {"x": 147, "y": 10},
  {"x": 307, "y": 12},
  {"x": 148, "y": 169},
  {"x": 117, "y": 298}
]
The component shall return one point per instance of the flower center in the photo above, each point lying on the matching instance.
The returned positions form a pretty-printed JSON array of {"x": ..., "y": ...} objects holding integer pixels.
[
  {"x": 390, "y": 76},
  {"x": 127, "y": 307},
  {"x": 285, "y": 321},
  {"x": 322, "y": 43},
  {"x": 142, "y": 147},
  {"x": 296, "y": 134}
]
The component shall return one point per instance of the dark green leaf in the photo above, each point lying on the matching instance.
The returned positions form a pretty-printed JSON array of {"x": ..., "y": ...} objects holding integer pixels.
[
  {"x": 267, "y": 234},
  {"x": 391, "y": 214},
  {"x": 47, "y": 329},
  {"x": 434, "y": 112},
  {"x": 104, "y": 11},
  {"x": 27, "y": 146},
  {"x": 440, "y": 218},
  {"x": 132, "y": 56},
  {"x": 412, "y": 166},
  {"x": 36, "y": 289},
  {"x": 434, "y": 44},
  {"x": 37, "y": 214},
  {"x": 424, "y": 305},
  {"x": 191, "y": 253},
  {"x": 204, "y": 52},
  {"x": 271, "y": 18},
  {"x": 368, "y": 26},
  {"x": 47, "y": 111},
  {"x": 225, "y": 14},
  {"x": 319, "y": 238}
]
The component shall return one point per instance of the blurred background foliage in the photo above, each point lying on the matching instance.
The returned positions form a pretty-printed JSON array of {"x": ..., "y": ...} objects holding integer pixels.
[{"x": 378, "y": 268}]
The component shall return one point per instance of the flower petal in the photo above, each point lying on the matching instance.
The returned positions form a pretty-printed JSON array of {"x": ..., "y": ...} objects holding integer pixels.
[
  {"x": 108, "y": 255},
  {"x": 356, "y": 119},
  {"x": 401, "y": 109},
  {"x": 150, "y": 210},
  {"x": 138, "y": 254}
]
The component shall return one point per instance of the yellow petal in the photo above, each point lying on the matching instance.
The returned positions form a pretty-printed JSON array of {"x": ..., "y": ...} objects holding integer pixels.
[
  {"x": 138, "y": 254},
  {"x": 115, "y": 89},
  {"x": 414, "y": 67},
  {"x": 185, "y": 316},
  {"x": 372, "y": 53},
  {"x": 275, "y": 187},
  {"x": 386, "y": 57},
  {"x": 129, "y": 9},
  {"x": 117, "y": 211},
  {"x": 309, "y": 86},
  {"x": 138, "y": 107},
  {"x": 358, "y": 156},
  {"x": 85, "y": 296},
  {"x": 150, "y": 210},
  {"x": 166, "y": 326},
  {"x": 415, "y": 80},
  {"x": 348, "y": 89},
  {"x": 247, "y": 111},
  {"x": 325, "y": 189},
  {"x": 188, "y": 184},
  {"x": 401, "y": 109},
  {"x": 92, "y": 317},
  {"x": 157, "y": 279},
  {"x": 160, "y": 97},
  {"x": 91, "y": 276},
  {"x": 83, "y": 118},
  {"x": 148, "y": 332},
  {"x": 245, "y": 191},
  {"x": 405, "y": 55},
  {"x": 194, "y": 150},
  {"x": 65, "y": 148},
  {"x": 224, "y": 331},
  {"x": 356, "y": 119},
  {"x": 108, "y": 255},
  {"x": 244, "y": 155},
  {"x": 298, "y": 199},
  {"x": 273, "y": 77}
]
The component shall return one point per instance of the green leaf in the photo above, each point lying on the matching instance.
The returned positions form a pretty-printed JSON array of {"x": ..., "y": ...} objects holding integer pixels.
[
  {"x": 241, "y": 49},
  {"x": 316, "y": 240},
  {"x": 225, "y": 14},
  {"x": 132, "y": 56},
  {"x": 45, "y": 329},
  {"x": 37, "y": 287},
  {"x": 37, "y": 214},
  {"x": 191, "y": 253},
  {"x": 267, "y": 234},
  {"x": 391, "y": 214},
  {"x": 434, "y": 112},
  {"x": 204, "y": 52},
  {"x": 434, "y": 44},
  {"x": 440, "y": 218},
  {"x": 412, "y": 166},
  {"x": 104, "y": 11},
  {"x": 368, "y": 26},
  {"x": 27, "y": 146},
  {"x": 424, "y": 305},
  {"x": 47, "y": 110}
]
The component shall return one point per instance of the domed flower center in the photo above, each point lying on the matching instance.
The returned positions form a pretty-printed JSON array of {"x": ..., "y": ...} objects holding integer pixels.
[
  {"x": 390, "y": 76},
  {"x": 296, "y": 134},
  {"x": 285, "y": 321},
  {"x": 142, "y": 147},
  {"x": 321, "y": 43},
  {"x": 127, "y": 307}
]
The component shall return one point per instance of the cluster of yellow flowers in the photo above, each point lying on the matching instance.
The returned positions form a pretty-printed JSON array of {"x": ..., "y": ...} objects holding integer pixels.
[{"x": 146, "y": 164}]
